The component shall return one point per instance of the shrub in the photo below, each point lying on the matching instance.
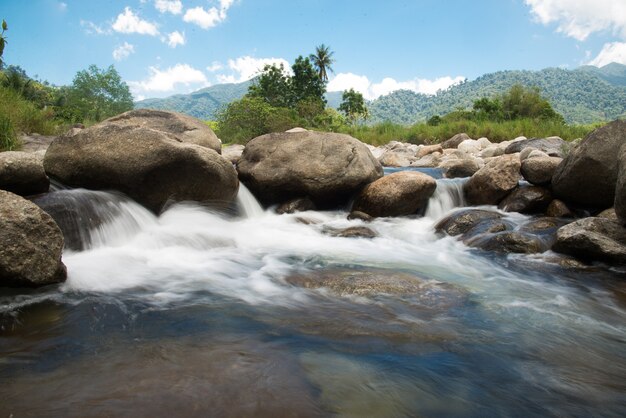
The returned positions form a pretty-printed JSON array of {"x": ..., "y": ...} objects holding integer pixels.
[{"x": 8, "y": 137}]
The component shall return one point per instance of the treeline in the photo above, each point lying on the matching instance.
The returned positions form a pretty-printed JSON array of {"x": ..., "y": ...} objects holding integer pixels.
[{"x": 279, "y": 99}]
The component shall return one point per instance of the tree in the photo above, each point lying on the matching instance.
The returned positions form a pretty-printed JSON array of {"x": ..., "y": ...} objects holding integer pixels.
[
  {"x": 353, "y": 105},
  {"x": 3, "y": 41},
  {"x": 521, "y": 102},
  {"x": 272, "y": 86},
  {"x": 99, "y": 94},
  {"x": 322, "y": 60},
  {"x": 306, "y": 83}
]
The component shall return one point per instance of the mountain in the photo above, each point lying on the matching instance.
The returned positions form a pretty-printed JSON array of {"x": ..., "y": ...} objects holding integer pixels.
[
  {"x": 585, "y": 95},
  {"x": 581, "y": 96},
  {"x": 612, "y": 73},
  {"x": 202, "y": 104}
]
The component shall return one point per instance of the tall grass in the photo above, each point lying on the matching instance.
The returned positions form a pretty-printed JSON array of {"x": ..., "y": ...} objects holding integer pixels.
[
  {"x": 496, "y": 131},
  {"x": 18, "y": 115}
]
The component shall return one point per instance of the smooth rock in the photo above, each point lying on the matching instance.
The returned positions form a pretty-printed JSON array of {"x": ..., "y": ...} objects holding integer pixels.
[
  {"x": 149, "y": 165},
  {"x": 30, "y": 244},
  {"x": 460, "y": 222},
  {"x": 484, "y": 143},
  {"x": 356, "y": 215},
  {"x": 300, "y": 204},
  {"x": 588, "y": 175},
  {"x": 352, "y": 232},
  {"x": 460, "y": 168},
  {"x": 22, "y": 173},
  {"x": 397, "y": 158},
  {"x": 430, "y": 160},
  {"x": 553, "y": 146},
  {"x": 327, "y": 167},
  {"x": 233, "y": 152},
  {"x": 398, "y": 194},
  {"x": 493, "y": 182},
  {"x": 539, "y": 171},
  {"x": 593, "y": 239},
  {"x": 469, "y": 146},
  {"x": 428, "y": 149},
  {"x": 527, "y": 199},
  {"x": 509, "y": 242},
  {"x": 558, "y": 209},
  {"x": 455, "y": 141},
  {"x": 608, "y": 214}
]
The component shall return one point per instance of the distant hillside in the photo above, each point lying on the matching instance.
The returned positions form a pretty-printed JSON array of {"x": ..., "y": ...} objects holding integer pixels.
[
  {"x": 580, "y": 96},
  {"x": 585, "y": 95},
  {"x": 612, "y": 73}
]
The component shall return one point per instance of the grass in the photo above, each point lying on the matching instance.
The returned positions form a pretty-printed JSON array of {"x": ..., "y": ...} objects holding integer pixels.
[
  {"x": 18, "y": 115},
  {"x": 422, "y": 133}
]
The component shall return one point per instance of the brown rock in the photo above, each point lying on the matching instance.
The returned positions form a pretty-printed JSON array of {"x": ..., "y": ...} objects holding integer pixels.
[
  {"x": 22, "y": 173},
  {"x": 493, "y": 182},
  {"x": 539, "y": 170}
]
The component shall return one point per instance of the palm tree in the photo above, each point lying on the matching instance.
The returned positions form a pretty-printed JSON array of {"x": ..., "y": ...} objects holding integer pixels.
[{"x": 322, "y": 61}]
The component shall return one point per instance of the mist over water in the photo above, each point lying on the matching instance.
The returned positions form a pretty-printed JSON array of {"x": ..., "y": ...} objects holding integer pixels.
[{"x": 194, "y": 311}]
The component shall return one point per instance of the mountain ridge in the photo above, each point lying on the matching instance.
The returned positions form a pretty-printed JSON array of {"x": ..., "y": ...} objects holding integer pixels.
[{"x": 584, "y": 95}]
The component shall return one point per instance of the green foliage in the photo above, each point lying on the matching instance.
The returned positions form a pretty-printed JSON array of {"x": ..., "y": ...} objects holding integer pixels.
[
  {"x": 306, "y": 83},
  {"x": 8, "y": 136},
  {"x": 322, "y": 60},
  {"x": 353, "y": 106},
  {"x": 250, "y": 117},
  {"x": 273, "y": 86},
  {"x": 3, "y": 41},
  {"x": 434, "y": 120},
  {"x": 23, "y": 116},
  {"x": 97, "y": 94}
]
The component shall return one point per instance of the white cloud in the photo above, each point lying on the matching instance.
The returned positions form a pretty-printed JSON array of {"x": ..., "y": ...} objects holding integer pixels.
[
  {"x": 247, "y": 67},
  {"x": 93, "y": 29},
  {"x": 168, "y": 80},
  {"x": 370, "y": 91},
  {"x": 128, "y": 22},
  {"x": 175, "y": 38},
  {"x": 123, "y": 51},
  {"x": 611, "y": 52},
  {"x": 62, "y": 6},
  {"x": 215, "y": 66},
  {"x": 580, "y": 18},
  {"x": 174, "y": 7},
  {"x": 208, "y": 18}
]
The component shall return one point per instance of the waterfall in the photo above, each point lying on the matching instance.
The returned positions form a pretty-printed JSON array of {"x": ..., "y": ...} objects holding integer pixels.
[
  {"x": 247, "y": 204},
  {"x": 447, "y": 196}
]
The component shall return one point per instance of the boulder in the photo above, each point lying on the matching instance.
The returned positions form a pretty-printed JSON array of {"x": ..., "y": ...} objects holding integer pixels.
[
  {"x": 608, "y": 214},
  {"x": 523, "y": 154},
  {"x": 430, "y": 160},
  {"x": 327, "y": 167},
  {"x": 22, "y": 173},
  {"x": 455, "y": 141},
  {"x": 528, "y": 199},
  {"x": 397, "y": 158},
  {"x": 300, "y": 204},
  {"x": 593, "y": 239},
  {"x": 495, "y": 150},
  {"x": 181, "y": 127},
  {"x": 460, "y": 168},
  {"x": 428, "y": 149},
  {"x": 539, "y": 171},
  {"x": 493, "y": 182},
  {"x": 398, "y": 194},
  {"x": 553, "y": 146},
  {"x": 151, "y": 166},
  {"x": 462, "y": 221},
  {"x": 30, "y": 244},
  {"x": 509, "y": 242},
  {"x": 558, "y": 209},
  {"x": 233, "y": 152},
  {"x": 469, "y": 146},
  {"x": 620, "y": 187},
  {"x": 588, "y": 175},
  {"x": 483, "y": 143}
]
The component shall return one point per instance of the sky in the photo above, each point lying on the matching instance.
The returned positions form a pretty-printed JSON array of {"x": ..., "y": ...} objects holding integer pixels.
[{"x": 166, "y": 47}]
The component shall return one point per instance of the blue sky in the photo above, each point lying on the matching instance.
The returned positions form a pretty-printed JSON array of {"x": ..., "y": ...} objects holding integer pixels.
[{"x": 164, "y": 47}]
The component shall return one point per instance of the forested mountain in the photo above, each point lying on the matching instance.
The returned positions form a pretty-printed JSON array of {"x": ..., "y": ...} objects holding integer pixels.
[
  {"x": 585, "y": 95},
  {"x": 580, "y": 96}
]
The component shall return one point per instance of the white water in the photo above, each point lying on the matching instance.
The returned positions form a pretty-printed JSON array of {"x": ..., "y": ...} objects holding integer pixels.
[
  {"x": 448, "y": 195},
  {"x": 247, "y": 204}
]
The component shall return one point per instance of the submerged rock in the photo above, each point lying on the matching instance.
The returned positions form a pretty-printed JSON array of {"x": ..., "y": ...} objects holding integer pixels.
[
  {"x": 464, "y": 220},
  {"x": 22, "y": 173},
  {"x": 398, "y": 194},
  {"x": 352, "y": 232},
  {"x": 355, "y": 214},
  {"x": 296, "y": 205},
  {"x": 509, "y": 242},
  {"x": 593, "y": 239},
  {"x": 528, "y": 199},
  {"x": 588, "y": 175},
  {"x": 153, "y": 157},
  {"x": 493, "y": 182},
  {"x": 30, "y": 244},
  {"x": 327, "y": 167}
]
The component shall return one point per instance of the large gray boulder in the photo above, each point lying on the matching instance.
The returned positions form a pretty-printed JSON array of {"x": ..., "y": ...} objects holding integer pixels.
[
  {"x": 150, "y": 165},
  {"x": 539, "y": 171},
  {"x": 553, "y": 146},
  {"x": 181, "y": 127},
  {"x": 30, "y": 244},
  {"x": 593, "y": 239},
  {"x": 398, "y": 194},
  {"x": 327, "y": 167},
  {"x": 22, "y": 173},
  {"x": 527, "y": 199},
  {"x": 490, "y": 184},
  {"x": 588, "y": 175},
  {"x": 620, "y": 187}
]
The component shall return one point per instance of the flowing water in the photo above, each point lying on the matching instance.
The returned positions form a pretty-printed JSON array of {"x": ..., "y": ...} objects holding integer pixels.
[{"x": 196, "y": 313}]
